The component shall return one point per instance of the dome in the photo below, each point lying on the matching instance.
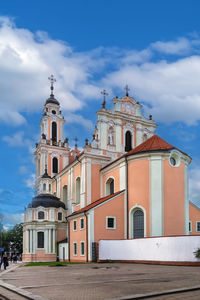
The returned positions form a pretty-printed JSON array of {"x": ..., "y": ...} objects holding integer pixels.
[
  {"x": 46, "y": 200},
  {"x": 52, "y": 100}
]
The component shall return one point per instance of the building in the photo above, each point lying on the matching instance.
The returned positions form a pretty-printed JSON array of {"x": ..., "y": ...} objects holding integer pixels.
[{"x": 127, "y": 183}]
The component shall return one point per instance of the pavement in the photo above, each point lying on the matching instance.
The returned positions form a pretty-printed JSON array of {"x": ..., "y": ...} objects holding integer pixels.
[{"x": 102, "y": 281}]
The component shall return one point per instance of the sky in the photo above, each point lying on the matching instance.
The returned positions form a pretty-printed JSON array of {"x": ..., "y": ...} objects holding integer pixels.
[{"x": 153, "y": 46}]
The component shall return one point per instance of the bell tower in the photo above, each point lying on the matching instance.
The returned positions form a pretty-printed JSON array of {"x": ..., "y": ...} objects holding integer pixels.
[{"x": 52, "y": 153}]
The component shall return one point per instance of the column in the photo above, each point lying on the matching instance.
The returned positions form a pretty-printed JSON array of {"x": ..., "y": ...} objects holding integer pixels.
[
  {"x": 46, "y": 241},
  {"x": 28, "y": 241},
  {"x": 49, "y": 240},
  {"x": 31, "y": 241},
  {"x": 34, "y": 241},
  {"x": 54, "y": 241},
  {"x": 23, "y": 241}
]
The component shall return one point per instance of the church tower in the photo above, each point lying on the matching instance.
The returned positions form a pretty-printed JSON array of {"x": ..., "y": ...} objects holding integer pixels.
[
  {"x": 44, "y": 218},
  {"x": 51, "y": 154}
]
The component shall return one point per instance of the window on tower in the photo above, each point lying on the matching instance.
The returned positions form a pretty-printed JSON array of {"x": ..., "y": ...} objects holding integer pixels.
[
  {"x": 54, "y": 132},
  {"x": 128, "y": 141},
  {"x": 55, "y": 165}
]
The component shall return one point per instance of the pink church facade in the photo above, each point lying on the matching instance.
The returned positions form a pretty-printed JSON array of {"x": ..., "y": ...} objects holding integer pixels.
[{"x": 126, "y": 183}]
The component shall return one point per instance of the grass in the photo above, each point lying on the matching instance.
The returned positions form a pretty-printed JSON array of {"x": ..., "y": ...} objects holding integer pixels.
[{"x": 52, "y": 263}]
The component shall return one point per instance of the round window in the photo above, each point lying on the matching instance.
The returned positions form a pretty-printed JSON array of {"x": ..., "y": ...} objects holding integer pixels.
[
  {"x": 172, "y": 161},
  {"x": 53, "y": 112}
]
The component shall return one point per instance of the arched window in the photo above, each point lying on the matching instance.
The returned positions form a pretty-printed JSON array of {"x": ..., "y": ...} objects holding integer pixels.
[
  {"x": 128, "y": 141},
  {"x": 55, "y": 165},
  {"x": 78, "y": 190},
  {"x": 40, "y": 215},
  {"x": 54, "y": 131},
  {"x": 138, "y": 224},
  {"x": 44, "y": 187},
  {"x": 109, "y": 186},
  {"x": 64, "y": 194},
  {"x": 111, "y": 136},
  {"x": 49, "y": 188},
  {"x": 40, "y": 239}
]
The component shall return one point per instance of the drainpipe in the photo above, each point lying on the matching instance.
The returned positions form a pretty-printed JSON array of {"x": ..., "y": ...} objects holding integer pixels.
[
  {"x": 68, "y": 239},
  {"x": 127, "y": 204},
  {"x": 86, "y": 229}
]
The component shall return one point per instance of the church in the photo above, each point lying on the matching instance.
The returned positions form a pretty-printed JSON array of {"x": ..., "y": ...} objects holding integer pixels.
[{"x": 126, "y": 183}]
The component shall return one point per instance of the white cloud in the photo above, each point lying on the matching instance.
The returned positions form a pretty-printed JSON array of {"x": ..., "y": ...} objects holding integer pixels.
[
  {"x": 10, "y": 220},
  {"x": 78, "y": 119},
  {"x": 194, "y": 185},
  {"x": 169, "y": 89},
  {"x": 30, "y": 181}
]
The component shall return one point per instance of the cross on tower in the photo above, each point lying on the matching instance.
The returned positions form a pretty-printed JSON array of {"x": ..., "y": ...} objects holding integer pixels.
[
  {"x": 52, "y": 79},
  {"x": 104, "y": 93},
  {"x": 127, "y": 89}
]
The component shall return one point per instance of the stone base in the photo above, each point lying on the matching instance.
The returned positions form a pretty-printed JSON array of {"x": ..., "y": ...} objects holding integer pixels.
[{"x": 40, "y": 256}]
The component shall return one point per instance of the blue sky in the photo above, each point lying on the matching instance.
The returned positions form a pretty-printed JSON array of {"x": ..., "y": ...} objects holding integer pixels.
[{"x": 153, "y": 46}]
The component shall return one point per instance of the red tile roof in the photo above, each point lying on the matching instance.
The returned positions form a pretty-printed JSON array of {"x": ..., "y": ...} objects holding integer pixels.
[
  {"x": 97, "y": 202},
  {"x": 154, "y": 143}
]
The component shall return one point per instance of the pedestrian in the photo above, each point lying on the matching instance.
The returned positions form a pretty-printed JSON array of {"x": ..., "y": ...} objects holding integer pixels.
[{"x": 5, "y": 260}]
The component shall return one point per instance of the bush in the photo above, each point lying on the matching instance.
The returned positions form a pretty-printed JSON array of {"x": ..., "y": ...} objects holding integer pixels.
[{"x": 197, "y": 253}]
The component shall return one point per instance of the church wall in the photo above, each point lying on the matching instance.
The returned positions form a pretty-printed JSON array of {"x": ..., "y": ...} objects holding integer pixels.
[
  {"x": 60, "y": 163},
  {"x": 194, "y": 213},
  {"x": 115, "y": 174},
  {"x": 54, "y": 187},
  {"x": 112, "y": 208},
  {"x": 95, "y": 184},
  {"x": 77, "y": 236},
  {"x": 63, "y": 181},
  {"x": 138, "y": 189},
  {"x": 174, "y": 214},
  {"x": 61, "y": 234}
]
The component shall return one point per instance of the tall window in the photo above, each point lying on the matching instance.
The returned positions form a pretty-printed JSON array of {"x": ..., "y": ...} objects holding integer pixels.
[
  {"x": 128, "y": 141},
  {"x": 110, "y": 187},
  {"x": 40, "y": 239},
  {"x": 78, "y": 190},
  {"x": 55, "y": 165},
  {"x": 138, "y": 224},
  {"x": 65, "y": 195},
  {"x": 54, "y": 131},
  {"x": 44, "y": 187}
]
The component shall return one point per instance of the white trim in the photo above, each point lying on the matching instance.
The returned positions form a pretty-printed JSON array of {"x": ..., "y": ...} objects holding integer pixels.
[
  {"x": 76, "y": 249},
  {"x": 156, "y": 195},
  {"x": 186, "y": 199},
  {"x": 131, "y": 212},
  {"x": 176, "y": 155},
  {"x": 81, "y": 254},
  {"x": 111, "y": 228},
  {"x": 75, "y": 221},
  {"x": 196, "y": 226},
  {"x": 82, "y": 228}
]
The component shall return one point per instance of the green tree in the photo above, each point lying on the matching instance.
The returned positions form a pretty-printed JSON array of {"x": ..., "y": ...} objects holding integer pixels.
[{"x": 12, "y": 240}]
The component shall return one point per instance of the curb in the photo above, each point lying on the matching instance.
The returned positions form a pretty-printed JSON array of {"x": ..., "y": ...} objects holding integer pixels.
[
  {"x": 26, "y": 294},
  {"x": 157, "y": 294},
  {"x": 16, "y": 290}
]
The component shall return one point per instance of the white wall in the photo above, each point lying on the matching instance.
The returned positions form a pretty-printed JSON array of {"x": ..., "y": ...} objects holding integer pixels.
[
  {"x": 154, "y": 249},
  {"x": 61, "y": 245}
]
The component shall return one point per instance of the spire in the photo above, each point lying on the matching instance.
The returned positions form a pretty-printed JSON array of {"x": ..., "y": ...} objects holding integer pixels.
[
  {"x": 51, "y": 99},
  {"x": 104, "y": 93},
  {"x": 52, "y": 79}
]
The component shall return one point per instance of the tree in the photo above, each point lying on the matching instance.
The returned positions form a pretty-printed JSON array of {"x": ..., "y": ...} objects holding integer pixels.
[{"x": 12, "y": 240}]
